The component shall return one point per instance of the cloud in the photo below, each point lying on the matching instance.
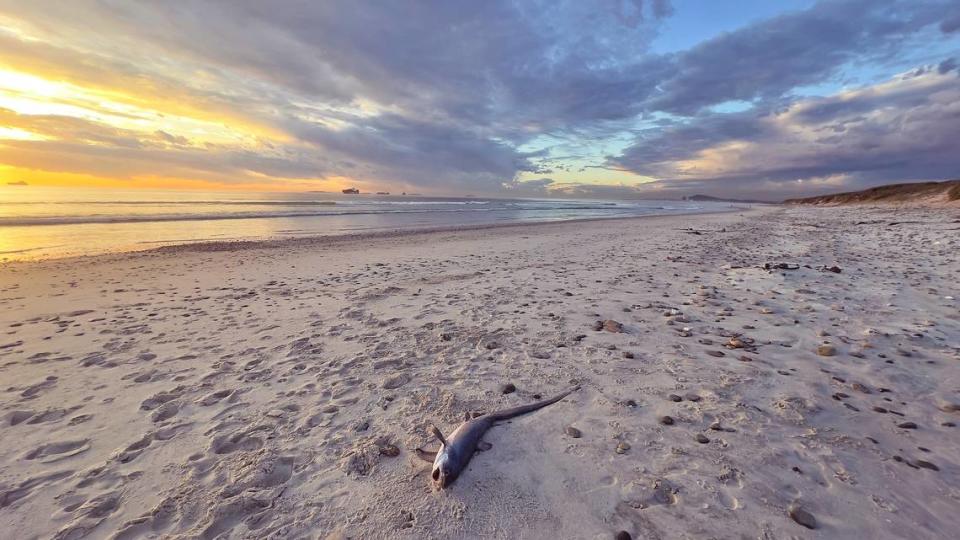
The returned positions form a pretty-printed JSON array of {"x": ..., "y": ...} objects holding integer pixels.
[
  {"x": 768, "y": 59},
  {"x": 902, "y": 130},
  {"x": 449, "y": 96}
]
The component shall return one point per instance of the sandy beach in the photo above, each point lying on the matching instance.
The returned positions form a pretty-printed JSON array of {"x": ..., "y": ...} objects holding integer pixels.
[{"x": 280, "y": 390}]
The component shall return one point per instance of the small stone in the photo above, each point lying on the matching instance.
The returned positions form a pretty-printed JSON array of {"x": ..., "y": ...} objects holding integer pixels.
[
  {"x": 702, "y": 439},
  {"x": 948, "y": 404},
  {"x": 907, "y": 425},
  {"x": 861, "y": 388},
  {"x": 880, "y": 410},
  {"x": 573, "y": 432},
  {"x": 826, "y": 350},
  {"x": 630, "y": 403},
  {"x": 675, "y": 398},
  {"x": 692, "y": 397},
  {"x": 627, "y": 354},
  {"x": 623, "y": 447},
  {"x": 716, "y": 426},
  {"x": 611, "y": 325},
  {"x": 736, "y": 343},
  {"x": 801, "y": 516},
  {"x": 666, "y": 420},
  {"x": 622, "y": 535},
  {"x": 389, "y": 450},
  {"x": 926, "y": 465},
  {"x": 508, "y": 388},
  {"x": 716, "y": 354}
]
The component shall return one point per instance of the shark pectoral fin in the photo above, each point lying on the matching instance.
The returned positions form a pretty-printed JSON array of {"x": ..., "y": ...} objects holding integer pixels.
[
  {"x": 425, "y": 455},
  {"x": 438, "y": 435},
  {"x": 483, "y": 446}
]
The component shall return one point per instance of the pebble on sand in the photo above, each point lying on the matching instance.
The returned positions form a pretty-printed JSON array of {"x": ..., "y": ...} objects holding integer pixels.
[
  {"x": 666, "y": 420},
  {"x": 622, "y": 535},
  {"x": 389, "y": 450},
  {"x": 508, "y": 388},
  {"x": 611, "y": 325},
  {"x": 907, "y": 425},
  {"x": 826, "y": 350},
  {"x": 801, "y": 516},
  {"x": 702, "y": 439},
  {"x": 573, "y": 432}
]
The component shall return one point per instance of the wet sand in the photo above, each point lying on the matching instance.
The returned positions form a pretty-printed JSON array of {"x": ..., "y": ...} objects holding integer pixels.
[{"x": 280, "y": 390}]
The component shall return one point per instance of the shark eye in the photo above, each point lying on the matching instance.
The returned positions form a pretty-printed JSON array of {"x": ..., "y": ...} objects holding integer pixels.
[{"x": 436, "y": 474}]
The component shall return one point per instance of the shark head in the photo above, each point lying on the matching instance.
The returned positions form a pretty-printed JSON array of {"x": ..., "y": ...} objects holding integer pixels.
[{"x": 445, "y": 469}]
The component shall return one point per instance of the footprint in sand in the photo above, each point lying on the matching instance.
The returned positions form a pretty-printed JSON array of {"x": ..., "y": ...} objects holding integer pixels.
[
  {"x": 33, "y": 390},
  {"x": 157, "y": 520},
  {"x": 16, "y": 417},
  {"x": 160, "y": 398},
  {"x": 89, "y": 516},
  {"x": 165, "y": 412},
  {"x": 10, "y": 495},
  {"x": 240, "y": 440},
  {"x": 59, "y": 450},
  {"x": 49, "y": 415},
  {"x": 214, "y": 398}
]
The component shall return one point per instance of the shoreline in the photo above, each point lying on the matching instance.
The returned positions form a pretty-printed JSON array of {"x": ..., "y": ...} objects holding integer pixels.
[{"x": 201, "y": 246}]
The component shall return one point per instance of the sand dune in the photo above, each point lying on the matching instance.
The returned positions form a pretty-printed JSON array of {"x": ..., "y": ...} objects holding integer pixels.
[
  {"x": 917, "y": 194},
  {"x": 280, "y": 391}
]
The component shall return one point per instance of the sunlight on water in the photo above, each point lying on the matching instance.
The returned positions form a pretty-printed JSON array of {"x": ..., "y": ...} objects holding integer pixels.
[{"x": 43, "y": 222}]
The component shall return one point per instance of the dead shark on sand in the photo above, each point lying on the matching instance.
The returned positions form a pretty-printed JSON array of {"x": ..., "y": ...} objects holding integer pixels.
[{"x": 457, "y": 450}]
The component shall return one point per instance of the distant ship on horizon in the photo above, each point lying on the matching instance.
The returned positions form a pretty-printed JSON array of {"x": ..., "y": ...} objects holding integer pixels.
[{"x": 351, "y": 191}]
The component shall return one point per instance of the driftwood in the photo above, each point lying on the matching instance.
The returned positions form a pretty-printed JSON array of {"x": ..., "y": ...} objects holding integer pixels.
[{"x": 780, "y": 266}]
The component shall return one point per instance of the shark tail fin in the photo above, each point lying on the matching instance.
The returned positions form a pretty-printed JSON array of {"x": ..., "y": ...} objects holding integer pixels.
[{"x": 524, "y": 409}]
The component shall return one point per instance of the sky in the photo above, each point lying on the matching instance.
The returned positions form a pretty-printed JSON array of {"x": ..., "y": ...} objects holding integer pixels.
[{"x": 609, "y": 98}]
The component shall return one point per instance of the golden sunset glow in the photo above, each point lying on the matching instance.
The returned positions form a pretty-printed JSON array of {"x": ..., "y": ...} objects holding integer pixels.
[{"x": 54, "y": 105}]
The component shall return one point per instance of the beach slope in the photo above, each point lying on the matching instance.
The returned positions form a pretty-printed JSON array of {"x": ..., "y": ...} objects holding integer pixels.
[{"x": 772, "y": 373}]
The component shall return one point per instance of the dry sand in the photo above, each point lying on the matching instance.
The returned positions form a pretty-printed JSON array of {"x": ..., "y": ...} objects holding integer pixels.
[{"x": 279, "y": 391}]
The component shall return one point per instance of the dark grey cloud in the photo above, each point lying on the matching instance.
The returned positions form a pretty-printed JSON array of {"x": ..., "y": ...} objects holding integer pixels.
[
  {"x": 904, "y": 130},
  {"x": 419, "y": 152},
  {"x": 948, "y": 65},
  {"x": 768, "y": 59}
]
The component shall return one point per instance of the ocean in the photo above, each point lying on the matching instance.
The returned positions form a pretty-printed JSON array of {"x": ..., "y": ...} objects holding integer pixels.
[{"x": 46, "y": 222}]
